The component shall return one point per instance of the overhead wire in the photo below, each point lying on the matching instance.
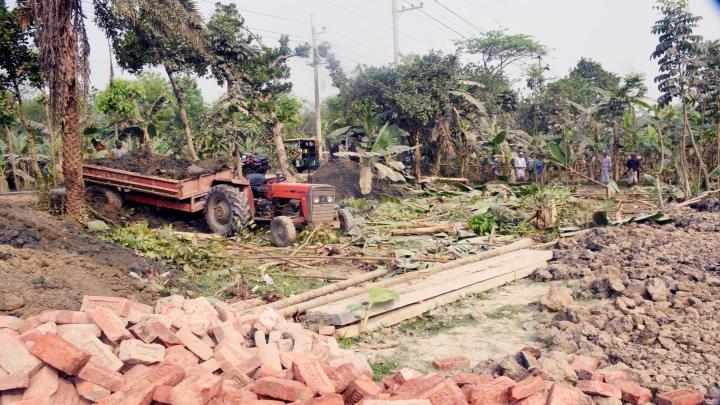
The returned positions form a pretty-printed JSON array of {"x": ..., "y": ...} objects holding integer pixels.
[
  {"x": 432, "y": 18},
  {"x": 463, "y": 19}
]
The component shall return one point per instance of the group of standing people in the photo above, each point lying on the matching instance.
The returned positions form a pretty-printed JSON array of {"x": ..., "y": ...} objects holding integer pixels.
[
  {"x": 525, "y": 169},
  {"x": 633, "y": 169}
]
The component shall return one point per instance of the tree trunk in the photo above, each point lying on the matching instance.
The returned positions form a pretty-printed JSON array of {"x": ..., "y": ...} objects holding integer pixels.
[
  {"x": 39, "y": 180},
  {"x": 11, "y": 156},
  {"x": 416, "y": 158},
  {"x": 72, "y": 150},
  {"x": 279, "y": 140},
  {"x": 717, "y": 136},
  {"x": 116, "y": 136},
  {"x": 57, "y": 162},
  {"x": 698, "y": 153},
  {"x": 183, "y": 113},
  {"x": 438, "y": 162}
]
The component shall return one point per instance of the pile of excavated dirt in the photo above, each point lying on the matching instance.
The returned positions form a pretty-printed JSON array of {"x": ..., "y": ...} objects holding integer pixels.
[
  {"x": 344, "y": 175},
  {"x": 49, "y": 264},
  {"x": 144, "y": 162},
  {"x": 659, "y": 295}
]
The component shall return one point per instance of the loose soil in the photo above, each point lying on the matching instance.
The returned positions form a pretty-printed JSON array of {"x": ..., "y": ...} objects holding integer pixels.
[
  {"x": 144, "y": 162},
  {"x": 344, "y": 175},
  {"x": 49, "y": 264},
  {"x": 652, "y": 295}
]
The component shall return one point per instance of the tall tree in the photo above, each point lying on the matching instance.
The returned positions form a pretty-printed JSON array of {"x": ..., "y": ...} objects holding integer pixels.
[
  {"x": 19, "y": 67},
  {"x": 498, "y": 49},
  {"x": 7, "y": 117},
  {"x": 254, "y": 73},
  {"x": 177, "y": 46},
  {"x": 676, "y": 53},
  {"x": 119, "y": 103}
]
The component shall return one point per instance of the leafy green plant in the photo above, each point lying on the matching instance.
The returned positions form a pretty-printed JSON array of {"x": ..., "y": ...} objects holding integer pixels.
[
  {"x": 376, "y": 296},
  {"x": 383, "y": 368},
  {"x": 483, "y": 224}
]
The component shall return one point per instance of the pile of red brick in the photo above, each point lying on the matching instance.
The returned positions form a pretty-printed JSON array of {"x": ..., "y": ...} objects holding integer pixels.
[{"x": 188, "y": 351}]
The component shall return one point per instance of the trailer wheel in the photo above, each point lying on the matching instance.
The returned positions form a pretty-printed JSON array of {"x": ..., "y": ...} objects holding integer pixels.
[
  {"x": 104, "y": 200},
  {"x": 282, "y": 230},
  {"x": 347, "y": 222},
  {"x": 226, "y": 210}
]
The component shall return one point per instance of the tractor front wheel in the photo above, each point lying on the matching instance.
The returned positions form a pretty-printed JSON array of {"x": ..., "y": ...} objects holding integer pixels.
[
  {"x": 226, "y": 210},
  {"x": 282, "y": 230}
]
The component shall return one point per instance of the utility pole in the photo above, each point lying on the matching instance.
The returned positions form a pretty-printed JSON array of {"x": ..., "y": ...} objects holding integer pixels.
[
  {"x": 396, "y": 27},
  {"x": 318, "y": 117}
]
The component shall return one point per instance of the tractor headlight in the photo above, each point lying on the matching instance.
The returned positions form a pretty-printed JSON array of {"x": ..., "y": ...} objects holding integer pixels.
[
  {"x": 316, "y": 200},
  {"x": 329, "y": 199}
]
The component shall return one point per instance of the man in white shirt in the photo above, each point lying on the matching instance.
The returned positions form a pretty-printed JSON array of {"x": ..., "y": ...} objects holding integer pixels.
[{"x": 520, "y": 164}]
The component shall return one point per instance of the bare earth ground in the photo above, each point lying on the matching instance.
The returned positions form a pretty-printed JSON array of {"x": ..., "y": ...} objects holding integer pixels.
[
  {"x": 488, "y": 327},
  {"x": 49, "y": 264}
]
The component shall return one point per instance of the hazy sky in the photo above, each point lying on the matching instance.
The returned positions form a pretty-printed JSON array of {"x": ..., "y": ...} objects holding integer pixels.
[{"x": 613, "y": 32}]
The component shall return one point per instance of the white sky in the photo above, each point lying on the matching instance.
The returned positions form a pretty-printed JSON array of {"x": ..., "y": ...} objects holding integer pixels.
[{"x": 613, "y": 32}]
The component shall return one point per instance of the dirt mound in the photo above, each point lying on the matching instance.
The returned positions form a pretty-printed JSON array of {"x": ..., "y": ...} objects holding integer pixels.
[
  {"x": 49, "y": 264},
  {"x": 707, "y": 205},
  {"x": 142, "y": 161},
  {"x": 654, "y": 294},
  {"x": 344, "y": 175}
]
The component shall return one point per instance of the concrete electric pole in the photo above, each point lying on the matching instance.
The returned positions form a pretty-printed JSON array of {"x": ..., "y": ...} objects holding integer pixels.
[
  {"x": 396, "y": 27},
  {"x": 318, "y": 117}
]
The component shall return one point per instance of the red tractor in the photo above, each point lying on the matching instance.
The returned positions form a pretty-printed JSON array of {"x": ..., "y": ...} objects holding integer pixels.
[{"x": 230, "y": 203}]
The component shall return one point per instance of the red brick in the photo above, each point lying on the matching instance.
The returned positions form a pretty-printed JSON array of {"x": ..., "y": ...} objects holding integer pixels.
[
  {"x": 43, "y": 384},
  {"x": 102, "y": 376},
  {"x": 327, "y": 330},
  {"x": 59, "y": 353},
  {"x": 13, "y": 381},
  {"x": 197, "y": 389},
  {"x": 328, "y": 399},
  {"x": 538, "y": 398},
  {"x": 101, "y": 353},
  {"x": 404, "y": 374},
  {"x": 180, "y": 356},
  {"x": 451, "y": 363},
  {"x": 90, "y": 391},
  {"x": 163, "y": 394},
  {"x": 592, "y": 387},
  {"x": 141, "y": 390},
  {"x": 33, "y": 334},
  {"x": 194, "y": 344},
  {"x": 134, "y": 351},
  {"x": 611, "y": 375},
  {"x": 139, "y": 307},
  {"x": 585, "y": 363},
  {"x": 62, "y": 317},
  {"x": 162, "y": 331},
  {"x": 111, "y": 324},
  {"x": 526, "y": 388},
  {"x": 395, "y": 402},
  {"x": 239, "y": 378},
  {"x": 389, "y": 383},
  {"x": 211, "y": 365},
  {"x": 29, "y": 323},
  {"x": 85, "y": 328},
  {"x": 562, "y": 394},
  {"x": 15, "y": 358},
  {"x": 227, "y": 333},
  {"x": 33, "y": 401},
  {"x": 361, "y": 388},
  {"x": 285, "y": 345},
  {"x": 229, "y": 357},
  {"x": 233, "y": 394},
  {"x": 267, "y": 320},
  {"x": 681, "y": 396},
  {"x": 66, "y": 394},
  {"x": 115, "y": 304},
  {"x": 10, "y": 322},
  {"x": 472, "y": 379},
  {"x": 269, "y": 359},
  {"x": 263, "y": 402},
  {"x": 311, "y": 373},
  {"x": 495, "y": 392},
  {"x": 632, "y": 392},
  {"x": 287, "y": 390},
  {"x": 444, "y": 393}
]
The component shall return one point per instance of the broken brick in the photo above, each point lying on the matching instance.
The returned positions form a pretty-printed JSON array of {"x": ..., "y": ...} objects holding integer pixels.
[
  {"x": 117, "y": 305},
  {"x": 562, "y": 394},
  {"x": 197, "y": 389},
  {"x": 43, "y": 384},
  {"x": 102, "y": 376},
  {"x": 526, "y": 388},
  {"x": 309, "y": 372},
  {"x": 59, "y": 353},
  {"x": 134, "y": 351},
  {"x": 287, "y": 390},
  {"x": 444, "y": 393},
  {"x": 471, "y": 379},
  {"x": 451, "y": 363},
  {"x": 111, "y": 324},
  {"x": 585, "y": 363},
  {"x": 592, "y": 387},
  {"x": 195, "y": 345},
  {"x": 632, "y": 392},
  {"x": 681, "y": 396},
  {"x": 13, "y": 381},
  {"x": 15, "y": 358},
  {"x": 404, "y": 374},
  {"x": 360, "y": 389},
  {"x": 90, "y": 391}
]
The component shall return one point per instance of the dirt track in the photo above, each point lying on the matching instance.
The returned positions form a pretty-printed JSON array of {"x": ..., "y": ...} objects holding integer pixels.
[{"x": 49, "y": 264}]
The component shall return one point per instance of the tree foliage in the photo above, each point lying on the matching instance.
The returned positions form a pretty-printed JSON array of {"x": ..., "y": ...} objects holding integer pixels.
[{"x": 498, "y": 49}]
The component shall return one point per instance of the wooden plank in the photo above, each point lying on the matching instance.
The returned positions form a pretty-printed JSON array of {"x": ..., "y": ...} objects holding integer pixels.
[
  {"x": 417, "y": 309},
  {"x": 441, "y": 283},
  {"x": 325, "y": 312}
]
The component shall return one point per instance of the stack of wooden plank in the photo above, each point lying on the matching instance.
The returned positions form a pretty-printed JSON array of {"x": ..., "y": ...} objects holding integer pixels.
[{"x": 429, "y": 290}]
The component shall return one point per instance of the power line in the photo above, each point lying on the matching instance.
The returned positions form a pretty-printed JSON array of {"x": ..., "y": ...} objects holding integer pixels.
[
  {"x": 465, "y": 20},
  {"x": 428, "y": 15},
  {"x": 376, "y": 22},
  {"x": 361, "y": 44}
]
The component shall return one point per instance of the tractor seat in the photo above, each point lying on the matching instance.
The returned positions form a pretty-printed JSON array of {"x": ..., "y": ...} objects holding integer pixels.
[{"x": 257, "y": 184}]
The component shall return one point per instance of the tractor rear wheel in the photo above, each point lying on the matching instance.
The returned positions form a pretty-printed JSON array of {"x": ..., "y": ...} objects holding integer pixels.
[
  {"x": 105, "y": 201},
  {"x": 282, "y": 230},
  {"x": 347, "y": 222},
  {"x": 226, "y": 210}
]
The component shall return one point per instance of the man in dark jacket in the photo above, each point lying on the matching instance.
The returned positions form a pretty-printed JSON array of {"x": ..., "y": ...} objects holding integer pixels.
[{"x": 633, "y": 165}]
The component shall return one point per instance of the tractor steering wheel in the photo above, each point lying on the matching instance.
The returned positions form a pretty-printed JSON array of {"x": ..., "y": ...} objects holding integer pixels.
[{"x": 274, "y": 180}]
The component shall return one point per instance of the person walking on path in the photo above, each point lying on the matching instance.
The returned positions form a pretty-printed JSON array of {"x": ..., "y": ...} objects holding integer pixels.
[
  {"x": 532, "y": 175},
  {"x": 605, "y": 168}
]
